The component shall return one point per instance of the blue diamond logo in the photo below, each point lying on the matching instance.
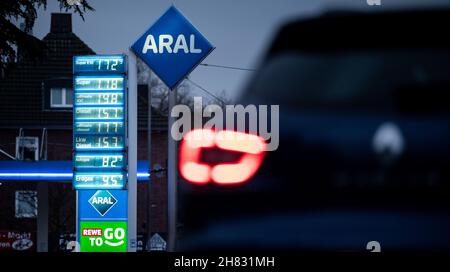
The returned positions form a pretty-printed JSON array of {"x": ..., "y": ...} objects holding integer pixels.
[
  {"x": 172, "y": 47},
  {"x": 102, "y": 201}
]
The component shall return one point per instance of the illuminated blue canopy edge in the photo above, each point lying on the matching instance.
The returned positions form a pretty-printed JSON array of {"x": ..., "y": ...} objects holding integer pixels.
[{"x": 51, "y": 170}]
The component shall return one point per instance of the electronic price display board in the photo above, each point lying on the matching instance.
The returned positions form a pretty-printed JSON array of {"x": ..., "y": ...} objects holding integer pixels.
[
  {"x": 100, "y": 83},
  {"x": 99, "y": 122},
  {"x": 99, "y": 143},
  {"x": 104, "y": 127},
  {"x": 86, "y": 161},
  {"x": 100, "y": 113},
  {"x": 103, "y": 180},
  {"x": 99, "y": 64},
  {"x": 87, "y": 99}
]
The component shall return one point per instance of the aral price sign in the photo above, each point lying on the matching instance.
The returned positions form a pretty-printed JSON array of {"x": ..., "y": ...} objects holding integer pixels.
[
  {"x": 103, "y": 236},
  {"x": 99, "y": 158}
]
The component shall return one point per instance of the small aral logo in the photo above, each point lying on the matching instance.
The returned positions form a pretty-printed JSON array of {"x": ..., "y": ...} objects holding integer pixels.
[{"x": 102, "y": 201}]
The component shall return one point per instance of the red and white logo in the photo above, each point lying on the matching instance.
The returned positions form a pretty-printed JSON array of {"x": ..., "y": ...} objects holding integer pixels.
[{"x": 92, "y": 232}]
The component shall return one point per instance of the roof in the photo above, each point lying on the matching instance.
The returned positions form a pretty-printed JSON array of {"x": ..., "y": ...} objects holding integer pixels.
[
  {"x": 50, "y": 170},
  {"x": 382, "y": 29},
  {"x": 22, "y": 99}
]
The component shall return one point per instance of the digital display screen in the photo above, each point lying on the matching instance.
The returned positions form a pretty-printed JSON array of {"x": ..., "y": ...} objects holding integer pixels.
[
  {"x": 99, "y": 127},
  {"x": 99, "y": 64},
  {"x": 90, "y": 161},
  {"x": 89, "y": 99},
  {"x": 103, "y": 113},
  {"x": 99, "y": 83},
  {"x": 99, "y": 143},
  {"x": 99, "y": 122},
  {"x": 88, "y": 180}
]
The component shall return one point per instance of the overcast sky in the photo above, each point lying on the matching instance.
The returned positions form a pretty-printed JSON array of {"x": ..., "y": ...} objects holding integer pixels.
[{"x": 239, "y": 29}]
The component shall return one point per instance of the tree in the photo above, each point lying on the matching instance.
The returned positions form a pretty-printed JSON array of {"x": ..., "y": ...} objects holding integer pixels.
[
  {"x": 160, "y": 93},
  {"x": 12, "y": 37},
  {"x": 221, "y": 99}
]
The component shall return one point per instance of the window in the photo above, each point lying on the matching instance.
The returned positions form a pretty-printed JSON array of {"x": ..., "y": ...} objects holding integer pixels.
[
  {"x": 61, "y": 98},
  {"x": 57, "y": 94},
  {"x": 27, "y": 148},
  {"x": 26, "y": 204}
]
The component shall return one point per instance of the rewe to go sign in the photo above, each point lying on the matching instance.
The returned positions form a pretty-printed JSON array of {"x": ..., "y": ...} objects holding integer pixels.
[{"x": 103, "y": 236}]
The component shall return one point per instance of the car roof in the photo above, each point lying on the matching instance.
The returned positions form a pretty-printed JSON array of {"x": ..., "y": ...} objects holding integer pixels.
[{"x": 342, "y": 30}]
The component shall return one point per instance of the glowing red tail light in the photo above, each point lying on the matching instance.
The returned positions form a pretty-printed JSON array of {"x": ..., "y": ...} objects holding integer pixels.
[{"x": 252, "y": 148}]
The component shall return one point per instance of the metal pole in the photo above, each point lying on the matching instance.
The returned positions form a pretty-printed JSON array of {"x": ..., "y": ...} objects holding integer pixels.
[
  {"x": 77, "y": 230},
  {"x": 149, "y": 156},
  {"x": 6, "y": 154},
  {"x": 172, "y": 176},
  {"x": 42, "y": 219},
  {"x": 132, "y": 152}
]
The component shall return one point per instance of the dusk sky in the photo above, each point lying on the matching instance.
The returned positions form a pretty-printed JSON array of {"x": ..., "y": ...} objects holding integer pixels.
[{"x": 240, "y": 30}]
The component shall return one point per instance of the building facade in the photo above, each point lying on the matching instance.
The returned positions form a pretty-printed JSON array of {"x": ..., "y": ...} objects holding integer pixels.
[{"x": 36, "y": 125}]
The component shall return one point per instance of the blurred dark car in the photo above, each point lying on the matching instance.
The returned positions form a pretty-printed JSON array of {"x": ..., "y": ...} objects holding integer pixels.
[{"x": 364, "y": 151}]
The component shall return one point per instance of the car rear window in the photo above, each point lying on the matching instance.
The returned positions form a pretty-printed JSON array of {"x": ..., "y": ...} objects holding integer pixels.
[{"x": 400, "y": 80}]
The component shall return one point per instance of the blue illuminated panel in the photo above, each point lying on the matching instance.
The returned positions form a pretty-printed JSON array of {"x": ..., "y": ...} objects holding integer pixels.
[
  {"x": 88, "y": 161},
  {"x": 95, "y": 180},
  {"x": 89, "y": 99},
  {"x": 99, "y": 113},
  {"x": 99, "y": 127},
  {"x": 99, "y": 122},
  {"x": 99, "y": 143},
  {"x": 99, "y": 64},
  {"x": 99, "y": 83}
]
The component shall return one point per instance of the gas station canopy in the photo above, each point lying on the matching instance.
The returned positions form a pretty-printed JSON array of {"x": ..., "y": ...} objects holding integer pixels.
[{"x": 51, "y": 171}]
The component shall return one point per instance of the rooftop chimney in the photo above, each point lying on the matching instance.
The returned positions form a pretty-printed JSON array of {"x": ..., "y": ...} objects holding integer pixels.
[{"x": 61, "y": 23}]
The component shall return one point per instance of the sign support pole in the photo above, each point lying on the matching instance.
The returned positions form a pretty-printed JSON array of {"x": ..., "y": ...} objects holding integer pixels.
[
  {"x": 172, "y": 69},
  {"x": 42, "y": 218},
  {"x": 77, "y": 224},
  {"x": 149, "y": 156},
  {"x": 132, "y": 152},
  {"x": 172, "y": 176}
]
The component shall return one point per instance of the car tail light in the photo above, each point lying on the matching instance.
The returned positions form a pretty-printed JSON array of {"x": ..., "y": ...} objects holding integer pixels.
[{"x": 251, "y": 150}]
